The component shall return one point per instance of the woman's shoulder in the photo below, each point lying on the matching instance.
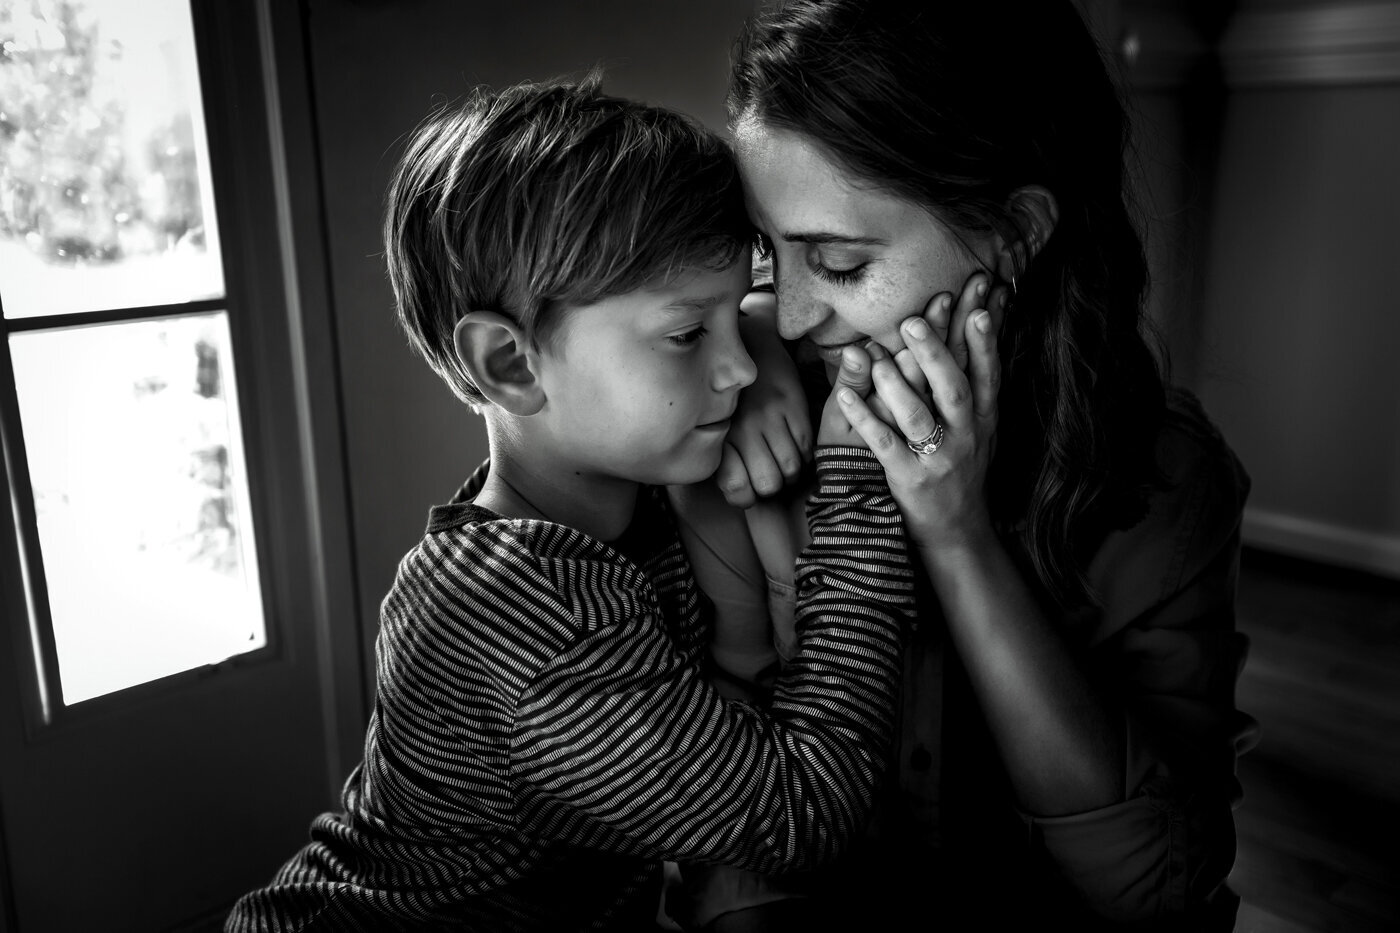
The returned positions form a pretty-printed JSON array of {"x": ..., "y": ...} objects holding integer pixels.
[
  {"x": 1203, "y": 485},
  {"x": 1192, "y": 514},
  {"x": 1191, "y": 450}
]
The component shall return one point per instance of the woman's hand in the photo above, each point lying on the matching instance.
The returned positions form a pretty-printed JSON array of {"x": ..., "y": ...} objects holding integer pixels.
[
  {"x": 770, "y": 439},
  {"x": 940, "y": 492},
  {"x": 949, "y": 324}
]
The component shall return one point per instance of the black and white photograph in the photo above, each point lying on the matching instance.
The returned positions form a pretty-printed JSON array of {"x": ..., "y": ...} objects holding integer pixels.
[{"x": 699, "y": 466}]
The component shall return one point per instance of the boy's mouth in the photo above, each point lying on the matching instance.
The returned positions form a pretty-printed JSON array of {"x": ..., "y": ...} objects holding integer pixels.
[{"x": 722, "y": 423}]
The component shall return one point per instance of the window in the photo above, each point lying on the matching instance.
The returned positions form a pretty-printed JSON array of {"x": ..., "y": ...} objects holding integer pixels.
[{"x": 118, "y": 394}]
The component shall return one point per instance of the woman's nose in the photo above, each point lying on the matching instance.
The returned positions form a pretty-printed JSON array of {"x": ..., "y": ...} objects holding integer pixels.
[{"x": 798, "y": 313}]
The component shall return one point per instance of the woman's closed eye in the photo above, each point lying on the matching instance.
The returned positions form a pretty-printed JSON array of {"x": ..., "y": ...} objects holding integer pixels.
[{"x": 837, "y": 270}]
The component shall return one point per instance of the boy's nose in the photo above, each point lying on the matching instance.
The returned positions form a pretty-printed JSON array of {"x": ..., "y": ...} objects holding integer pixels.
[{"x": 735, "y": 369}]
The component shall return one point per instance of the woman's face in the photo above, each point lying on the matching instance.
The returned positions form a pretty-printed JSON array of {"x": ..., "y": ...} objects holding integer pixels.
[{"x": 850, "y": 261}]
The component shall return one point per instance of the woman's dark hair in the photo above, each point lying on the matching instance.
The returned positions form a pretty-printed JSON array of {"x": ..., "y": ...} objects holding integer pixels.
[{"x": 955, "y": 104}]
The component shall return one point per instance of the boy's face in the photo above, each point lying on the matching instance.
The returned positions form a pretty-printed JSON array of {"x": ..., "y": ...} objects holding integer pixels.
[{"x": 641, "y": 386}]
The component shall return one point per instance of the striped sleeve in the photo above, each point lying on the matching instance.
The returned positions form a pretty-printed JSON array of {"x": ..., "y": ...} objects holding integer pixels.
[{"x": 621, "y": 744}]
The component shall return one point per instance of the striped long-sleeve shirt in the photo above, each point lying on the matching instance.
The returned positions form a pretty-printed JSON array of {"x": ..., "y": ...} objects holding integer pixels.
[{"x": 544, "y": 735}]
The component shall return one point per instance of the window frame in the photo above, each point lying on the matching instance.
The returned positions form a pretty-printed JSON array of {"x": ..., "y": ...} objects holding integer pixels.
[
  {"x": 271, "y": 237},
  {"x": 45, "y": 707}
]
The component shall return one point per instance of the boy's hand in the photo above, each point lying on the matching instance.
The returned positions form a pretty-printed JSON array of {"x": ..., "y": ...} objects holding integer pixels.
[
  {"x": 836, "y": 430},
  {"x": 770, "y": 439}
]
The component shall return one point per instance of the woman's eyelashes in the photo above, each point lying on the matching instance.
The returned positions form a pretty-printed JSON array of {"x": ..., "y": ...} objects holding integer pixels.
[{"x": 839, "y": 273}]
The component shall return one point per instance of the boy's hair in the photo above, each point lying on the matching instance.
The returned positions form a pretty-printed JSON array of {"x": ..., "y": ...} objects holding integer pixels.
[{"x": 540, "y": 197}]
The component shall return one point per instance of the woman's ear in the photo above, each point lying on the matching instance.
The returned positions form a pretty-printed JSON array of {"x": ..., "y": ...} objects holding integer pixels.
[
  {"x": 496, "y": 355},
  {"x": 1034, "y": 214}
]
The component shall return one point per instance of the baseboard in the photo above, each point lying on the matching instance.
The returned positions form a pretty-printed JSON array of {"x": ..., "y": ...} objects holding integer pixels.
[{"x": 1375, "y": 552}]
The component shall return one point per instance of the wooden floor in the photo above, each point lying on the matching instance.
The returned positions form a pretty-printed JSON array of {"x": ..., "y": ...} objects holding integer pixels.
[{"x": 1319, "y": 828}]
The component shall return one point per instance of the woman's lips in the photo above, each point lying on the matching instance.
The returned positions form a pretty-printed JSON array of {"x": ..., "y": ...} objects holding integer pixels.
[{"x": 831, "y": 353}]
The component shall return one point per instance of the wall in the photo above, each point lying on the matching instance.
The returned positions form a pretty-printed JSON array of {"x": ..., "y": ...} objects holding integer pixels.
[
  {"x": 1300, "y": 329},
  {"x": 1270, "y": 130},
  {"x": 378, "y": 68},
  {"x": 1269, "y": 191}
]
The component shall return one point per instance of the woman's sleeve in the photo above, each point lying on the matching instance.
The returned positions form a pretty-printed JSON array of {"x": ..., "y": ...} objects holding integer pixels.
[
  {"x": 1167, "y": 645},
  {"x": 622, "y": 744}
]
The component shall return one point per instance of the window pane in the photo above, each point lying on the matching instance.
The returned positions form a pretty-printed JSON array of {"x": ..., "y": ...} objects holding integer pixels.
[
  {"x": 133, "y": 440},
  {"x": 105, "y": 199}
]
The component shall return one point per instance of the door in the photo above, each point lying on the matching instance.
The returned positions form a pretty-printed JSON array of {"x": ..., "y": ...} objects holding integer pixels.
[{"x": 177, "y": 699}]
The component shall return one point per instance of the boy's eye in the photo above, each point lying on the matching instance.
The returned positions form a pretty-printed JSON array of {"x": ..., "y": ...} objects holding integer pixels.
[{"x": 691, "y": 336}]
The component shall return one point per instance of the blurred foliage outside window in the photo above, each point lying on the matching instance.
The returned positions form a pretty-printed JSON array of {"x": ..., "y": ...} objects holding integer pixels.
[
  {"x": 100, "y": 161},
  {"x": 131, "y": 426}
]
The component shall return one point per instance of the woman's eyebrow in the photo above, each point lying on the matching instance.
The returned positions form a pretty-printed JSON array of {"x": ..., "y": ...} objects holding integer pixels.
[{"x": 820, "y": 238}]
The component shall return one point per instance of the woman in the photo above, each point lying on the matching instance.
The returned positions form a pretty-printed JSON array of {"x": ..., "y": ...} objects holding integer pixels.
[{"x": 1069, "y": 733}]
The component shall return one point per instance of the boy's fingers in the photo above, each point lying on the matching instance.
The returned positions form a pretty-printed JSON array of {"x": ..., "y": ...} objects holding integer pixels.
[
  {"x": 973, "y": 297},
  {"x": 855, "y": 372},
  {"x": 765, "y": 476},
  {"x": 733, "y": 479},
  {"x": 801, "y": 433},
  {"x": 985, "y": 367},
  {"x": 787, "y": 457}
]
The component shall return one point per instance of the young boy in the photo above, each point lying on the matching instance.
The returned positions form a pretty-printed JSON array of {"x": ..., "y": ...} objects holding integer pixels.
[{"x": 544, "y": 735}]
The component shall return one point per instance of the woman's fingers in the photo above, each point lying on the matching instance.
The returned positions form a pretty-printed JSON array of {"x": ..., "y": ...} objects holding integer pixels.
[
  {"x": 947, "y": 383},
  {"x": 939, "y": 314},
  {"x": 973, "y": 297},
  {"x": 884, "y": 441},
  {"x": 873, "y": 401},
  {"x": 997, "y": 301},
  {"x": 985, "y": 364},
  {"x": 909, "y": 411},
  {"x": 912, "y": 372}
]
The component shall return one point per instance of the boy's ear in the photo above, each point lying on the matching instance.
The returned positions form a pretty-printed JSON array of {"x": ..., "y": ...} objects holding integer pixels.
[
  {"x": 495, "y": 353},
  {"x": 1034, "y": 214}
]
